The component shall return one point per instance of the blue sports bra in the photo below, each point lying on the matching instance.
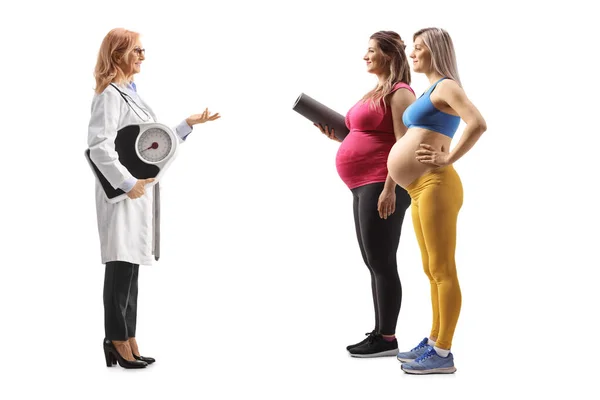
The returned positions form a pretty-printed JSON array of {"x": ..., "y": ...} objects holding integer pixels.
[{"x": 423, "y": 114}]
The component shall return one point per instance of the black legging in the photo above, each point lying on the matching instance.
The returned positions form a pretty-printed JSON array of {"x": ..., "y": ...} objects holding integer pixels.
[
  {"x": 120, "y": 299},
  {"x": 378, "y": 240}
]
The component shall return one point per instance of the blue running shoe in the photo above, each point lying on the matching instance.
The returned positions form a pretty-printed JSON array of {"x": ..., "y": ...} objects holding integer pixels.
[
  {"x": 430, "y": 363},
  {"x": 415, "y": 353}
]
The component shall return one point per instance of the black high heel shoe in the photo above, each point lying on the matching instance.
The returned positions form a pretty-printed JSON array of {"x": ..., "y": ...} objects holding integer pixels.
[
  {"x": 147, "y": 360},
  {"x": 112, "y": 356}
]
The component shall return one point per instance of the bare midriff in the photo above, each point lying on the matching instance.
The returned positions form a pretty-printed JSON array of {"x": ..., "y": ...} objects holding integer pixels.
[{"x": 403, "y": 166}]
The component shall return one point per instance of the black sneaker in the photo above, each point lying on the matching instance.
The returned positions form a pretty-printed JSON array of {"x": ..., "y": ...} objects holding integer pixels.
[
  {"x": 375, "y": 346},
  {"x": 373, "y": 333}
]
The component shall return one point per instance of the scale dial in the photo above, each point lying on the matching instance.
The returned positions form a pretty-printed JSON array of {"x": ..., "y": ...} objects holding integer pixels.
[{"x": 154, "y": 145}]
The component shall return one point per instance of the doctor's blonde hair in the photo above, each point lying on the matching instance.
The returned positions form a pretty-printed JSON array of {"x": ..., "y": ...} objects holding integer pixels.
[{"x": 116, "y": 46}]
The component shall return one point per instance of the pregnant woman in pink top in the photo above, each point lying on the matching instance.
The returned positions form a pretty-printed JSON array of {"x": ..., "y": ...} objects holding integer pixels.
[{"x": 375, "y": 124}]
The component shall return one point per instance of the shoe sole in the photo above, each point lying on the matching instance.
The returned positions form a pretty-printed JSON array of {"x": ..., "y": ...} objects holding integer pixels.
[
  {"x": 447, "y": 370},
  {"x": 386, "y": 353},
  {"x": 405, "y": 360}
]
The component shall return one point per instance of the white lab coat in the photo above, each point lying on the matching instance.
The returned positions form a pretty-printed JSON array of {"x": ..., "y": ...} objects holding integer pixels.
[{"x": 125, "y": 227}]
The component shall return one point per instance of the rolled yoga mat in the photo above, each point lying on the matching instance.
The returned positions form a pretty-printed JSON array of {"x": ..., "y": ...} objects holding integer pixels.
[{"x": 321, "y": 114}]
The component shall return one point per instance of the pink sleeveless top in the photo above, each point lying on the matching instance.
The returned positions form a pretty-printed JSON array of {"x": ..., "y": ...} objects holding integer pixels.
[{"x": 362, "y": 156}]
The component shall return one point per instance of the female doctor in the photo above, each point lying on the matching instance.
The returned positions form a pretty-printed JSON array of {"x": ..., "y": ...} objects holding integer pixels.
[{"x": 127, "y": 228}]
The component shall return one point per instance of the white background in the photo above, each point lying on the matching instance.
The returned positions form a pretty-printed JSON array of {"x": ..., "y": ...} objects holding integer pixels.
[{"x": 261, "y": 284}]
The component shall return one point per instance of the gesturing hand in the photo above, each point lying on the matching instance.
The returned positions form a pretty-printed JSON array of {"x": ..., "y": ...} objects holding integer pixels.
[
  {"x": 429, "y": 155},
  {"x": 138, "y": 189},
  {"x": 201, "y": 118}
]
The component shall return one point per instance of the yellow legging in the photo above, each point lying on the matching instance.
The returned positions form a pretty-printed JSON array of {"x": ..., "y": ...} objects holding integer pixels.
[{"x": 437, "y": 197}]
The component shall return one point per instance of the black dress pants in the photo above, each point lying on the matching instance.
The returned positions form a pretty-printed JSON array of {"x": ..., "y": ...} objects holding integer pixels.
[{"x": 120, "y": 299}]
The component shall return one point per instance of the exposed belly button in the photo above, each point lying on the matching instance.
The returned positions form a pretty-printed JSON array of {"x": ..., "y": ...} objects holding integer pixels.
[{"x": 404, "y": 167}]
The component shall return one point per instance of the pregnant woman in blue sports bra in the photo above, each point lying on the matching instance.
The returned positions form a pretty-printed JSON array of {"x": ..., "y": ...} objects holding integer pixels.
[{"x": 421, "y": 162}]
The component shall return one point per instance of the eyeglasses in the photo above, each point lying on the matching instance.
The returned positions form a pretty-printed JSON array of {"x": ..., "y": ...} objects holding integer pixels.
[{"x": 139, "y": 51}]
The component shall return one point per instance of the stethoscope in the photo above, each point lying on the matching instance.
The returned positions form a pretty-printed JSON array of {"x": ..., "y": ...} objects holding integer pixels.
[{"x": 125, "y": 97}]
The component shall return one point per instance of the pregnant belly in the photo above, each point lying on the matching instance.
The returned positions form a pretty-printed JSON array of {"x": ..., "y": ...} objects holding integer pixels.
[
  {"x": 362, "y": 159},
  {"x": 402, "y": 163}
]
